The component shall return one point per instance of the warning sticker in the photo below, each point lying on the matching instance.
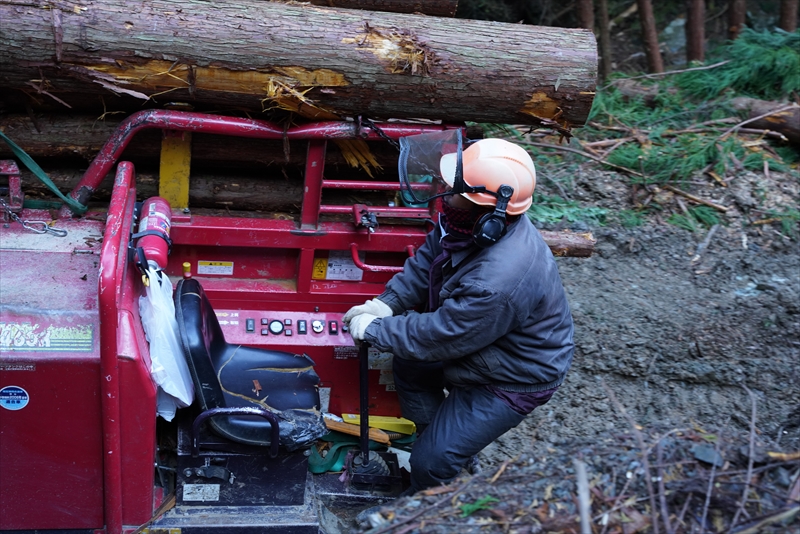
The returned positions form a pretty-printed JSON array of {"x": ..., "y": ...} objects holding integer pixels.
[
  {"x": 345, "y": 353},
  {"x": 27, "y": 337},
  {"x": 320, "y": 269},
  {"x": 201, "y": 492},
  {"x": 220, "y": 268},
  {"x": 13, "y": 398},
  {"x": 13, "y": 366},
  {"x": 338, "y": 265}
]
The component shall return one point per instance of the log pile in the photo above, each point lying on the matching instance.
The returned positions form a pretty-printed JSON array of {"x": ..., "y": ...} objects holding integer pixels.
[
  {"x": 70, "y": 73},
  {"x": 318, "y": 62}
]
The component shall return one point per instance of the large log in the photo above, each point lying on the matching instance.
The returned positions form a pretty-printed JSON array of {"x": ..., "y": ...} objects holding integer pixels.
[
  {"x": 776, "y": 116},
  {"x": 82, "y": 137},
  {"x": 320, "y": 62},
  {"x": 438, "y": 8}
]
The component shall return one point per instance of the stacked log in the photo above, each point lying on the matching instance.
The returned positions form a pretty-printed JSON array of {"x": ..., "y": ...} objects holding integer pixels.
[
  {"x": 316, "y": 61},
  {"x": 70, "y": 73},
  {"x": 438, "y": 8}
]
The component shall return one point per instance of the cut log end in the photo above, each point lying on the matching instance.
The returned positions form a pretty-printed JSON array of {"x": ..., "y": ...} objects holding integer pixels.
[{"x": 569, "y": 244}]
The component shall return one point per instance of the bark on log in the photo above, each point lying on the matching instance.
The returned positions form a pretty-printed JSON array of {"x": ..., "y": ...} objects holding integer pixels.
[
  {"x": 247, "y": 193},
  {"x": 786, "y": 122},
  {"x": 316, "y": 61},
  {"x": 437, "y": 8},
  {"x": 81, "y": 136},
  {"x": 569, "y": 244}
]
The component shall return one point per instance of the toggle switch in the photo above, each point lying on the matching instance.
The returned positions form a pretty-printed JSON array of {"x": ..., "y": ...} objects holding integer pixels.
[{"x": 250, "y": 325}]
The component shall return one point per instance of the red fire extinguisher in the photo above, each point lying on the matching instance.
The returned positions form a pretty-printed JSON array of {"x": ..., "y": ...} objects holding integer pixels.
[{"x": 152, "y": 240}]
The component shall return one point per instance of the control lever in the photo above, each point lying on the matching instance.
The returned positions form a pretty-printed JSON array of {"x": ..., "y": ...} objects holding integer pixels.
[{"x": 366, "y": 462}]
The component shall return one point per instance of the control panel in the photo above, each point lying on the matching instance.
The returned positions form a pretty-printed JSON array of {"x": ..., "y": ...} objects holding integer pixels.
[{"x": 284, "y": 328}]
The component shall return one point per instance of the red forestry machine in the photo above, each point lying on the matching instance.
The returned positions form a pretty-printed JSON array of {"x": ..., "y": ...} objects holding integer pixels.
[{"x": 258, "y": 305}]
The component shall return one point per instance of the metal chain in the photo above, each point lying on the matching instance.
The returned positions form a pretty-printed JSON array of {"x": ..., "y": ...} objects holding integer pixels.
[
  {"x": 374, "y": 127},
  {"x": 40, "y": 227}
]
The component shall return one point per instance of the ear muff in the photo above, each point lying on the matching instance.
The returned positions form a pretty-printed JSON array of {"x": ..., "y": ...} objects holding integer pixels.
[{"x": 492, "y": 226}]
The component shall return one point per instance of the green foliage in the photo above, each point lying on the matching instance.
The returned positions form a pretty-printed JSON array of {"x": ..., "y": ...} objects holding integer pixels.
[
  {"x": 630, "y": 218},
  {"x": 789, "y": 219},
  {"x": 554, "y": 209},
  {"x": 484, "y": 503},
  {"x": 760, "y": 64},
  {"x": 695, "y": 218},
  {"x": 682, "y": 131}
]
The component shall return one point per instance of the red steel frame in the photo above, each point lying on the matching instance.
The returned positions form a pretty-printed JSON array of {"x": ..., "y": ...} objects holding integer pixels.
[{"x": 306, "y": 235}]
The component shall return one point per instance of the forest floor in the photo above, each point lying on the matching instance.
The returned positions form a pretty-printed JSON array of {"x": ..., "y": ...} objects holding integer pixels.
[{"x": 683, "y": 400}]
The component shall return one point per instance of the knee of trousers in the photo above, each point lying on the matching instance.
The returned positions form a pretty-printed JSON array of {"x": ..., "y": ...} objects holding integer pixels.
[{"x": 433, "y": 467}]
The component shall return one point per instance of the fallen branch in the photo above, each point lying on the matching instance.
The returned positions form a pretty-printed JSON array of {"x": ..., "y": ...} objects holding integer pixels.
[
  {"x": 662, "y": 74},
  {"x": 702, "y": 246},
  {"x": 662, "y": 494},
  {"x": 584, "y": 504},
  {"x": 759, "y": 524},
  {"x": 645, "y": 462},
  {"x": 589, "y": 156},
  {"x": 784, "y": 456},
  {"x": 710, "y": 487},
  {"x": 750, "y": 455},
  {"x": 695, "y": 199},
  {"x": 435, "y": 505}
]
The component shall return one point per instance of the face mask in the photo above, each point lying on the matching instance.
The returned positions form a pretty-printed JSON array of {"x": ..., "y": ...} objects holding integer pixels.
[{"x": 461, "y": 220}]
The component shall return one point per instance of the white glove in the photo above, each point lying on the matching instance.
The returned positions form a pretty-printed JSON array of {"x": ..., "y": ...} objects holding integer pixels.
[
  {"x": 375, "y": 307},
  {"x": 359, "y": 324}
]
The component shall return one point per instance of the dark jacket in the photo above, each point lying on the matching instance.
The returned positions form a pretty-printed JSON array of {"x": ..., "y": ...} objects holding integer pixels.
[{"x": 503, "y": 318}]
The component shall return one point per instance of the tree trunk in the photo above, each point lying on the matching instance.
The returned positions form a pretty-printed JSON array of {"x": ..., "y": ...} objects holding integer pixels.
[
  {"x": 318, "y": 62},
  {"x": 585, "y": 11},
  {"x": 605, "y": 40},
  {"x": 650, "y": 36},
  {"x": 695, "y": 31},
  {"x": 788, "y": 17},
  {"x": 737, "y": 13},
  {"x": 436, "y": 8}
]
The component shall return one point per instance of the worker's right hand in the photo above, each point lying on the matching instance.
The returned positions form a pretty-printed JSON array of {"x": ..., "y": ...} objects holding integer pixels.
[{"x": 374, "y": 307}]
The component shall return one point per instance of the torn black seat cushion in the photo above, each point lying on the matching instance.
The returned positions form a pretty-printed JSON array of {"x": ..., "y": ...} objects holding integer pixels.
[{"x": 228, "y": 376}]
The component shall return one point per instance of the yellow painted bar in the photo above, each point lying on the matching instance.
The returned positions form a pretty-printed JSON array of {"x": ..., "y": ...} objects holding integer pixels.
[{"x": 176, "y": 159}]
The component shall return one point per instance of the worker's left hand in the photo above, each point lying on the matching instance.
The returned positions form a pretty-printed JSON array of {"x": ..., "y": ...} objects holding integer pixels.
[{"x": 359, "y": 324}]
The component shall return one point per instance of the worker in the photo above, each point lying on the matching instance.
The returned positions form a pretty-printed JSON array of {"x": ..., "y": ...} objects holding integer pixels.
[{"x": 493, "y": 339}]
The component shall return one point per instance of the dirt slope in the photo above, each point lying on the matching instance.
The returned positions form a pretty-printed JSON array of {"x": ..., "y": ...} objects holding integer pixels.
[{"x": 687, "y": 344}]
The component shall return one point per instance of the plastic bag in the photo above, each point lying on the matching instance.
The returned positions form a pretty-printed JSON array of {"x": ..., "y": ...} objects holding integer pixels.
[{"x": 168, "y": 366}]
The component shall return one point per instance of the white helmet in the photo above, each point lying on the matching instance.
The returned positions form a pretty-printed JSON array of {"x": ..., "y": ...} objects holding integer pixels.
[{"x": 492, "y": 163}]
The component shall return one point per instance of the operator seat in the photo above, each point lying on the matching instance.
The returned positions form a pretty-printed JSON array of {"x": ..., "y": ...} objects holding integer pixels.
[{"x": 232, "y": 376}]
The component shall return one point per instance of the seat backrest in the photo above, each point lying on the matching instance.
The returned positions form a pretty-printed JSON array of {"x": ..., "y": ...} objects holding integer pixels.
[{"x": 201, "y": 336}]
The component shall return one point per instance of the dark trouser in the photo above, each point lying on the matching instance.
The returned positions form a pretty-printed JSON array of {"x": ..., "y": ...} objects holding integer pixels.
[{"x": 453, "y": 428}]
